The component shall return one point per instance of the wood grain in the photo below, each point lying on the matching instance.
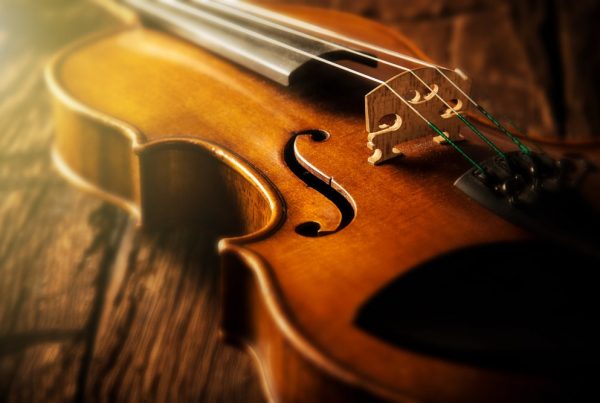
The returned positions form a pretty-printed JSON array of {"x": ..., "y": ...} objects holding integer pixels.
[
  {"x": 90, "y": 308},
  {"x": 380, "y": 103}
]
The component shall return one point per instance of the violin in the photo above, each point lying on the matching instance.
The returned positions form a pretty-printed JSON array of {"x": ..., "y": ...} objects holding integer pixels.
[{"x": 387, "y": 238}]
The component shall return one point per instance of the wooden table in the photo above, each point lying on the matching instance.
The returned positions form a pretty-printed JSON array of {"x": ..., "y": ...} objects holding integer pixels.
[{"x": 90, "y": 307}]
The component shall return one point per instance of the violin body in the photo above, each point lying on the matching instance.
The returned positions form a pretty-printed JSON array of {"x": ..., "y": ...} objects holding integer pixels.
[{"x": 178, "y": 136}]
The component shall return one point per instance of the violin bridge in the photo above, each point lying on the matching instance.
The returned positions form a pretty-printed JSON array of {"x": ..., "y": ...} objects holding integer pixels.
[{"x": 390, "y": 122}]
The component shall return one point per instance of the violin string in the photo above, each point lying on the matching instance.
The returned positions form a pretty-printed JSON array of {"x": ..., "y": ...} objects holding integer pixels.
[
  {"x": 230, "y": 8},
  {"x": 183, "y": 7},
  {"x": 525, "y": 134},
  {"x": 323, "y": 31}
]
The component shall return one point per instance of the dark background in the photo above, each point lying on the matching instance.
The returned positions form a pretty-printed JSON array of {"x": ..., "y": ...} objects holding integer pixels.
[{"x": 92, "y": 308}]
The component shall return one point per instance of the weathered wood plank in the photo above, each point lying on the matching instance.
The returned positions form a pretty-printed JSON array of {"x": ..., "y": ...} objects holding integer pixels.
[
  {"x": 63, "y": 321},
  {"x": 158, "y": 339},
  {"x": 50, "y": 255}
]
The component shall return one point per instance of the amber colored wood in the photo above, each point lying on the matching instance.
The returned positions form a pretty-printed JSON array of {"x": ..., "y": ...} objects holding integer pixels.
[
  {"x": 183, "y": 117},
  {"x": 414, "y": 85}
]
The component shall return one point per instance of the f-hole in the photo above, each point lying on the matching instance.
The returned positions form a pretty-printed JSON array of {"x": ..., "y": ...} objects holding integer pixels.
[{"x": 312, "y": 228}]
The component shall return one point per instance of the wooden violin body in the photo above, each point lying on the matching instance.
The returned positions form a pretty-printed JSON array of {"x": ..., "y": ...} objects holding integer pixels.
[{"x": 178, "y": 136}]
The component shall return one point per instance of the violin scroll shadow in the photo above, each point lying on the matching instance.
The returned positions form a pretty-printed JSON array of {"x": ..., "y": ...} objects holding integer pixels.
[{"x": 518, "y": 307}]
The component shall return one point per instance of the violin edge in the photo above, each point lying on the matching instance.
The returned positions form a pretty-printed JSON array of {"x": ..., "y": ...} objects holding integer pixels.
[{"x": 318, "y": 373}]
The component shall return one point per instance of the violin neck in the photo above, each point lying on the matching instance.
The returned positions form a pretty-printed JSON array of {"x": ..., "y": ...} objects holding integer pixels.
[{"x": 237, "y": 35}]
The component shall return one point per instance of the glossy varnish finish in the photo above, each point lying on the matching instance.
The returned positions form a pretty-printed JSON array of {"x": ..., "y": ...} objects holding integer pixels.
[{"x": 168, "y": 131}]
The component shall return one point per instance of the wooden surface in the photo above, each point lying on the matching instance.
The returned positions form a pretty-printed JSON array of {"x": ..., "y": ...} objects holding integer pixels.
[
  {"x": 382, "y": 103},
  {"x": 91, "y": 308}
]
